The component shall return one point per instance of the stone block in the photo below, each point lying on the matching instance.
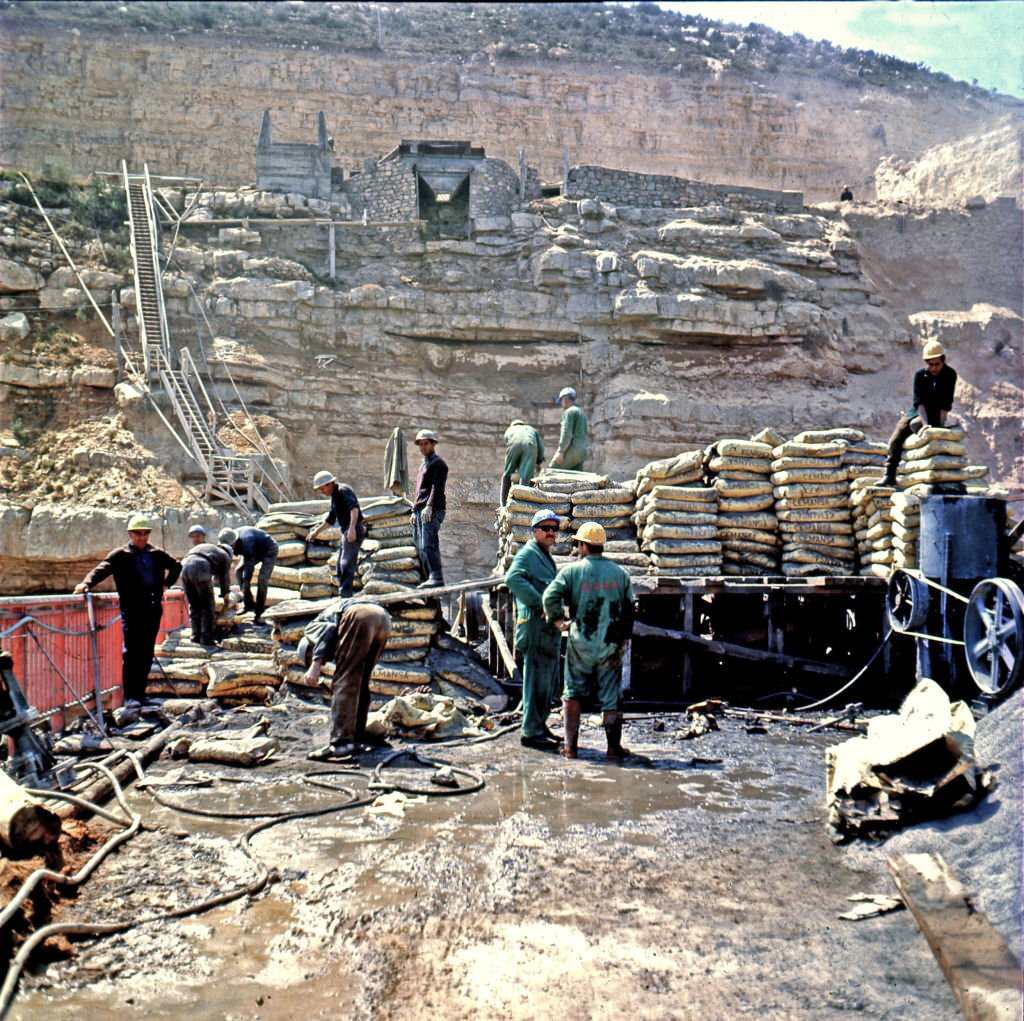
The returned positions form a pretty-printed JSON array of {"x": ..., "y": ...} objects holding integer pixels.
[
  {"x": 32, "y": 376},
  {"x": 607, "y": 262},
  {"x": 14, "y": 327},
  {"x": 61, "y": 298},
  {"x": 94, "y": 375},
  {"x": 15, "y": 278},
  {"x": 491, "y": 224},
  {"x": 238, "y": 236}
]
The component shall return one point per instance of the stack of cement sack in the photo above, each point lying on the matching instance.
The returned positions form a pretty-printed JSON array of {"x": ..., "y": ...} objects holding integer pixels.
[
  {"x": 388, "y": 560},
  {"x": 515, "y": 517},
  {"x": 677, "y": 518},
  {"x": 740, "y": 471},
  {"x": 937, "y": 456},
  {"x": 906, "y": 528},
  {"x": 872, "y": 522},
  {"x": 812, "y": 504}
]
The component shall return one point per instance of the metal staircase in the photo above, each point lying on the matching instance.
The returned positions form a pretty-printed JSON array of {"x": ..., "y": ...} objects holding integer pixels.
[{"x": 236, "y": 479}]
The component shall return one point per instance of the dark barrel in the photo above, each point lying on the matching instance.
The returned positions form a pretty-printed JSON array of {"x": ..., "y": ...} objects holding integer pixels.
[{"x": 975, "y": 526}]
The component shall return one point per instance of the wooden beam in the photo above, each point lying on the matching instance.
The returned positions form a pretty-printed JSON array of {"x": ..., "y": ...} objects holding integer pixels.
[
  {"x": 499, "y": 637},
  {"x": 720, "y": 648},
  {"x": 983, "y": 973},
  {"x": 1015, "y": 535}
]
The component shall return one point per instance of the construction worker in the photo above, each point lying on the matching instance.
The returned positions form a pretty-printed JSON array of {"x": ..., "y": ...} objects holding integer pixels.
[
  {"x": 599, "y": 598},
  {"x": 429, "y": 507},
  {"x": 532, "y": 570},
  {"x": 524, "y": 453},
  {"x": 197, "y": 535},
  {"x": 358, "y": 633},
  {"x": 572, "y": 440},
  {"x": 933, "y": 399},
  {"x": 141, "y": 573},
  {"x": 347, "y": 515},
  {"x": 254, "y": 546},
  {"x": 200, "y": 567},
  {"x": 847, "y": 194}
]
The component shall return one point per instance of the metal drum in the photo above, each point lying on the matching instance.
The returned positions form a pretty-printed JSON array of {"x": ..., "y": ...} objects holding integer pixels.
[{"x": 961, "y": 537}]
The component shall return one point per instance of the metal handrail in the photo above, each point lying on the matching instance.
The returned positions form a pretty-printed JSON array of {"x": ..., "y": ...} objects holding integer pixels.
[
  {"x": 165, "y": 338},
  {"x": 189, "y": 371},
  {"x": 135, "y": 262}
]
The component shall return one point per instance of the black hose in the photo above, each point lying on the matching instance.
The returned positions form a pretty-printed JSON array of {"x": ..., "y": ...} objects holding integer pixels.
[{"x": 377, "y": 784}]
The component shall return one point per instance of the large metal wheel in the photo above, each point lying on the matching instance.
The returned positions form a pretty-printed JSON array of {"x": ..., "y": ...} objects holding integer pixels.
[
  {"x": 994, "y": 635},
  {"x": 906, "y": 602}
]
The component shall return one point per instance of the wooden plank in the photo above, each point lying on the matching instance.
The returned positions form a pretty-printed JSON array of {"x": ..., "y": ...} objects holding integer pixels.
[
  {"x": 499, "y": 637},
  {"x": 983, "y": 973},
  {"x": 720, "y": 648}
]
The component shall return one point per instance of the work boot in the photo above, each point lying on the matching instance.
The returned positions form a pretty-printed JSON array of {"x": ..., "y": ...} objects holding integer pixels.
[
  {"x": 541, "y": 743},
  {"x": 571, "y": 716},
  {"x": 613, "y": 731}
]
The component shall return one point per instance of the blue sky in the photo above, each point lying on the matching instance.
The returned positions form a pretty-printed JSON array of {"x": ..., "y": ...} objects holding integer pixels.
[{"x": 982, "y": 40}]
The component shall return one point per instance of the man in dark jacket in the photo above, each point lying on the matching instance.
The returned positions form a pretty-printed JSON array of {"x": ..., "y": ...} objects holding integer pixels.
[
  {"x": 347, "y": 515},
  {"x": 200, "y": 567},
  {"x": 429, "y": 507},
  {"x": 933, "y": 399},
  {"x": 532, "y": 570},
  {"x": 254, "y": 546},
  {"x": 141, "y": 573}
]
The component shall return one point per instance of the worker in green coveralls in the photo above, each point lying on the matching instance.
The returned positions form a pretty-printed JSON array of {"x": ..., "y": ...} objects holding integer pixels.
[
  {"x": 524, "y": 453},
  {"x": 572, "y": 440},
  {"x": 532, "y": 570},
  {"x": 599, "y": 597}
]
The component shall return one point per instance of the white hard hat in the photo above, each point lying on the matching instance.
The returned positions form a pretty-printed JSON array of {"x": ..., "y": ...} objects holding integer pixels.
[
  {"x": 322, "y": 479},
  {"x": 197, "y": 530},
  {"x": 567, "y": 391},
  {"x": 426, "y": 434}
]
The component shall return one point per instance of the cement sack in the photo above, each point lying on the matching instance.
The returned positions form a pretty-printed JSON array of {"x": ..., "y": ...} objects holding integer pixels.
[
  {"x": 410, "y": 655},
  {"x": 820, "y": 539},
  {"x": 807, "y": 489},
  {"x": 734, "y": 570},
  {"x": 179, "y": 670},
  {"x": 747, "y": 504},
  {"x": 935, "y": 448},
  {"x": 905, "y": 534},
  {"x": 627, "y": 559},
  {"x": 797, "y": 448},
  {"x": 678, "y": 547},
  {"x": 291, "y": 553},
  {"x": 806, "y": 556},
  {"x": 769, "y": 437},
  {"x": 811, "y": 503},
  {"x": 394, "y": 553},
  {"x": 314, "y": 575},
  {"x": 812, "y": 475},
  {"x": 739, "y": 546},
  {"x": 528, "y": 494},
  {"x": 906, "y": 501},
  {"x": 838, "y": 514},
  {"x": 647, "y": 484},
  {"x": 847, "y": 556},
  {"x": 746, "y": 465},
  {"x": 687, "y": 494},
  {"x": 415, "y": 611},
  {"x": 252, "y": 751},
  {"x": 404, "y": 533},
  {"x": 904, "y": 561},
  {"x": 879, "y": 557},
  {"x": 610, "y": 495},
  {"x": 383, "y": 588},
  {"x": 734, "y": 489},
  {"x": 414, "y": 627},
  {"x": 728, "y": 535},
  {"x": 396, "y": 564},
  {"x": 905, "y": 544},
  {"x": 822, "y": 527},
  {"x": 227, "y": 675},
  {"x": 667, "y": 560},
  {"x": 680, "y": 531},
  {"x": 166, "y": 688},
  {"x": 876, "y": 570},
  {"x": 830, "y": 436},
  {"x": 286, "y": 577},
  {"x": 408, "y": 641},
  {"x": 868, "y": 448},
  {"x": 658, "y": 517},
  {"x": 859, "y": 461},
  {"x": 934, "y": 434},
  {"x": 317, "y": 590},
  {"x": 744, "y": 449},
  {"x": 689, "y": 572},
  {"x": 757, "y": 559},
  {"x": 764, "y": 522},
  {"x": 969, "y": 472},
  {"x": 521, "y": 507},
  {"x": 682, "y": 464},
  {"x": 738, "y": 476},
  {"x": 868, "y": 474},
  {"x": 396, "y": 673},
  {"x": 941, "y": 462},
  {"x": 792, "y": 570},
  {"x": 596, "y": 511},
  {"x": 782, "y": 464},
  {"x": 317, "y": 553}
]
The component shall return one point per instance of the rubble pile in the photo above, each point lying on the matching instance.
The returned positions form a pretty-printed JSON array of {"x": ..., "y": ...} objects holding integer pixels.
[
  {"x": 676, "y": 517},
  {"x": 872, "y": 523},
  {"x": 812, "y": 505},
  {"x": 740, "y": 472}
]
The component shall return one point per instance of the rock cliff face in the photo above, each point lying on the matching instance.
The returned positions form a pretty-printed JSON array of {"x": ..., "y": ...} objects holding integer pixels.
[{"x": 191, "y": 105}]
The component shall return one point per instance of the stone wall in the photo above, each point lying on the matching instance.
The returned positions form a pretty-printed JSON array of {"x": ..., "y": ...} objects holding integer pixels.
[
  {"x": 628, "y": 188},
  {"x": 188, "y": 105},
  {"x": 297, "y": 167},
  {"x": 493, "y": 189},
  {"x": 387, "y": 193}
]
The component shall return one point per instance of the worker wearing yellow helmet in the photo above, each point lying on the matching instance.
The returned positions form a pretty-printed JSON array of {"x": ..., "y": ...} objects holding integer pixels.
[
  {"x": 598, "y": 596},
  {"x": 933, "y": 398},
  {"x": 141, "y": 572}
]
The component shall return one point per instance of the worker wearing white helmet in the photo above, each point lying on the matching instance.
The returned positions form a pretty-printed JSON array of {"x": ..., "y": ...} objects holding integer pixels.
[
  {"x": 141, "y": 572},
  {"x": 933, "y": 398},
  {"x": 346, "y": 513},
  {"x": 599, "y": 598},
  {"x": 572, "y": 439},
  {"x": 197, "y": 535}
]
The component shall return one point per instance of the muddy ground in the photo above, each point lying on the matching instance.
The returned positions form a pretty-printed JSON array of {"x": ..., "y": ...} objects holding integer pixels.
[{"x": 700, "y": 884}]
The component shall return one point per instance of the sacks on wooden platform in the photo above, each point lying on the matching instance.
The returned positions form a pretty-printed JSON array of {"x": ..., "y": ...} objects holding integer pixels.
[
  {"x": 681, "y": 523},
  {"x": 872, "y": 522},
  {"x": 740, "y": 472}
]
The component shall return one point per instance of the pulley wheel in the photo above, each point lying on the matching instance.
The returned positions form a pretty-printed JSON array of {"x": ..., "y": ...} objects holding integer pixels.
[
  {"x": 994, "y": 635},
  {"x": 906, "y": 602}
]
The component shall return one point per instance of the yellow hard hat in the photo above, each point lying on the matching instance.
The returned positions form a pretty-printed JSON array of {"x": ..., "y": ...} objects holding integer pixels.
[
  {"x": 590, "y": 532},
  {"x": 933, "y": 349},
  {"x": 140, "y": 523}
]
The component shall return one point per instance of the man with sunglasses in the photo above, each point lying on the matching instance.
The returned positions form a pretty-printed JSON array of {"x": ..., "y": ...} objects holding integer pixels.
[
  {"x": 599, "y": 597},
  {"x": 531, "y": 572},
  {"x": 933, "y": 399}
]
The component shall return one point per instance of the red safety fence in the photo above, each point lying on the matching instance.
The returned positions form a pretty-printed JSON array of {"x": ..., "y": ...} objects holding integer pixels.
[{"x": 59, "y": 661}]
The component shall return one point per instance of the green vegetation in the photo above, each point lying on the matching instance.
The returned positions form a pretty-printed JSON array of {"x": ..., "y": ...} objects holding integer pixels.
[
  {"x": 643, "y": 35},
  {"x": 98, "y": 207}
]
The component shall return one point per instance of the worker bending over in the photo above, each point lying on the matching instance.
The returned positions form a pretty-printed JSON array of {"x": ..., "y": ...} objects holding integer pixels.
[
  {"x": 933, "y": 399},
  {"x": 254, "y": 546},
  {"x": 572, "y": 439},
  {"x": 141, "y": 573},
  {"x": 200, "y": 567},
  {"x": 429, "y": 506},
  {"x": 532, "y": 570},
  {"x": 355, "y": 634},
  {"x": 347, "y": 515},
  {"x": 599, "y": 598},
  {"x": 524, "y": 454}
]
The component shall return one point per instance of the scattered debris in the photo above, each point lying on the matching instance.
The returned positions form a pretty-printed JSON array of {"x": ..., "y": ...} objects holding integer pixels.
[
  {"x": 870, "y": 905},
  {"x": 697, "y": 725},
  {"x": 420, "y": 714},
  {"x": 445, "y": 777},
  {"x": 394, "y": 803}
]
